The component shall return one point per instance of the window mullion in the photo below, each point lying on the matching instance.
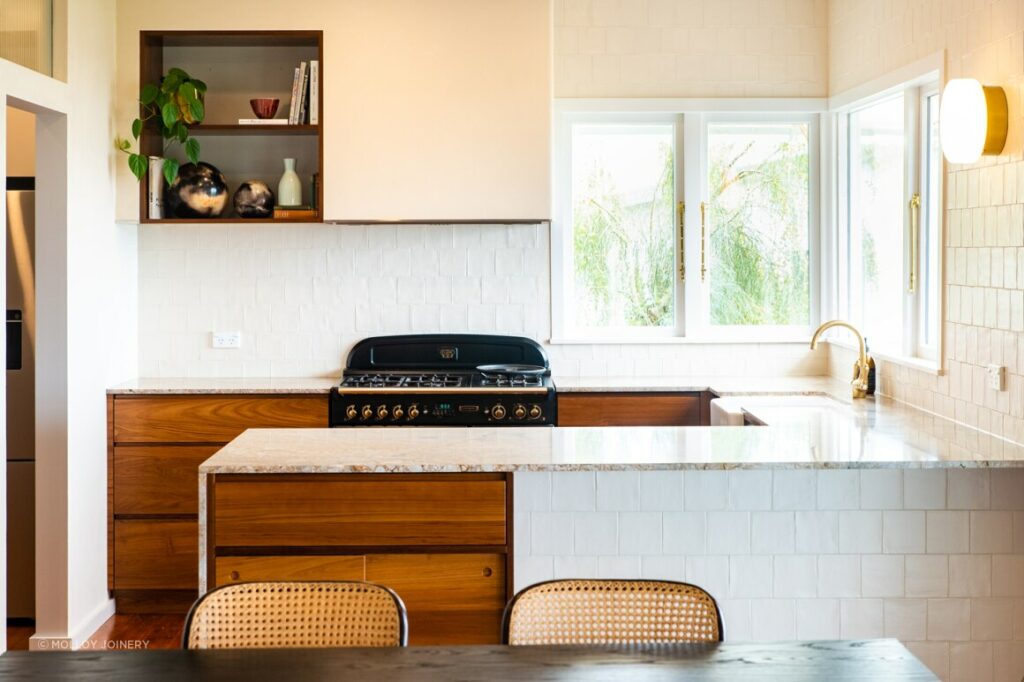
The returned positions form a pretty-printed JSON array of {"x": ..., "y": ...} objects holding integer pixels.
[
  {"x": 694, "y": 298},
  {"x": 912, "y": 187}
]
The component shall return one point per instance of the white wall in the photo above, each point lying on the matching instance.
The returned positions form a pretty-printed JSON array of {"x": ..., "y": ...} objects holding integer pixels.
[
  {"x": 85, "y": 279},
  {"x": 984, "y": 227},
  {"x": 21, "y": 143}
]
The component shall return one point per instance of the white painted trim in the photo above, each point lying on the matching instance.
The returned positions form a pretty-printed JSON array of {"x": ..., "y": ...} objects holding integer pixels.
[
  {"x": 915, "y": 73},
  {"x": 795, "y": 339},
  {"x": 691, "y": 105}
]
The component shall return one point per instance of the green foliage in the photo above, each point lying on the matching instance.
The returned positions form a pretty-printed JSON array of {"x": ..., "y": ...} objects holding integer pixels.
[
  {"x": 172, "y": 106},
  {"x": 624, "y": 254}
]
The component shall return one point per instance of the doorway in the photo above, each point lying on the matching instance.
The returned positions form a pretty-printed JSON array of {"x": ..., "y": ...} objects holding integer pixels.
[{"x": 20, "y": 378}]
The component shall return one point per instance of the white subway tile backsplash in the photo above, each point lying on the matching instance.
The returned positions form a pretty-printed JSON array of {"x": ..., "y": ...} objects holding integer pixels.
[
  {"x": 661, "y": 490},
  {"x": 640, "y": 533},
  {"x": 793, "y": 489},
  {"x": 618, "y": 490},
  {"x": 709, "y": 572},
  {"x": 573, "y": 491},
  {"x": 838, "y": 489},
  {"x": 750, "y": 576},
  {"x": 948, "y": 532},
  {"x": 817, "y": 532},
  {"x": 860, "y": 532},
  {"x": 618, "y": 567},
  {"x": 991, "y": 532},
  {"x": 1007, "y": 485},
  {"x": 971, "y": 662},
  {"x": 795, "y": 576},
  {"x": 968, "y": 489},
  {"x": 663, "y": 567},
  {"x": 750, "y": 489},
  {"x": 595, "y": 533},
  {"x": 773, "y": 620},
  {"x": 839, "y": 575},
  {"x": 882, "y": 575},
  {"x": 532, "y": 569},
  {"x": 949, "y": 619},
  {"x": 927, "y": 575},
  {"x": 906, "y": 619},
  {"x": 736, "y": 619},
  {"x": 903, "y": 532},
  {"x": 773, "y": 533},
  {"x": 705, "y": 490},
  {"x": 1008, "y": 576},
  {"x": 684, "y": 533},
  {"x": 991, "y": 619},
  {"x": 817, "y": 619},
  {"x": 924, "y": 489},
  {"x": 728, "y": 532},
  {"x": 574, "y": 566},
  {"x": 861, "y": 619},
  {"x": 551, "y": 533},
  {"x": 881, "y": 489},
  {"x": 532, "y": 491}
]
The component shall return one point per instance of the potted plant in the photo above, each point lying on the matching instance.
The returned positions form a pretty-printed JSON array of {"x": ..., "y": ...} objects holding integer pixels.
[{"x": 174, "y": 104}]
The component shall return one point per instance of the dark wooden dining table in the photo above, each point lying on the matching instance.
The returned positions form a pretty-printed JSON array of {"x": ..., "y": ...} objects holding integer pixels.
[{"x": 834, "y": 661}]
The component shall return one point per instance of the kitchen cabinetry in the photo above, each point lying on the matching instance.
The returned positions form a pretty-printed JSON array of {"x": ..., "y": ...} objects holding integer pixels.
[
  {"x": 439, "y": 111},
  {"x": 155, "y": 446},
  {"x": 633, "y": 409},
  {"x": 441, "y": 541}
]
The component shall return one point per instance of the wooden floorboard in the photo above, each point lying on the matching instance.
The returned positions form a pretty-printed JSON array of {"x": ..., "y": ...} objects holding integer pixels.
[{"x": 138, "y": 631}]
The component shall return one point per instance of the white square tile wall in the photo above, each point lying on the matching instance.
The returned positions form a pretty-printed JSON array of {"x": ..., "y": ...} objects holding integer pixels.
[{"x": 926, "y": 556}]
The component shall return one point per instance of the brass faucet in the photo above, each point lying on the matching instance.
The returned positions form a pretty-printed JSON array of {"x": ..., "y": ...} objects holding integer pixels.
[{"x": 861, "y": 368}]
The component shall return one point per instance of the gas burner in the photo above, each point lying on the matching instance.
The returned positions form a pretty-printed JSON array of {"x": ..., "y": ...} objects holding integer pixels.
[
  {"x": 502, "y": 380},
  {"x": 403, "y": 380}
]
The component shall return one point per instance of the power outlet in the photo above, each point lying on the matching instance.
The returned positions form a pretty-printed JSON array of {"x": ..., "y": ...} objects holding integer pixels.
[
  {"x": 996, "y": 377},
  {"x": 227, "y": 339}
]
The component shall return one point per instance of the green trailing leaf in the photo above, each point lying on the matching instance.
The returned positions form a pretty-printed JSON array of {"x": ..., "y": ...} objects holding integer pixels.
[
  {"x": 170, "y": 170},
  {"x": 192, "y": 150},
  {"x": 177, "y": 73},
  {"x": 181, "y": 132},
  {"x": 187, "y": 91},
  {"x": 122, "y": 144},
  {"x": 169, "y": 113},
  {"x": 171, "y": 81},
  {"x": 137, "y": 163},
  {"x": 197, "y": 110},
  {"x": 136, "y": 128},
  {"x": 200, "y": 85},
  {"x": 149, "y": 93}
]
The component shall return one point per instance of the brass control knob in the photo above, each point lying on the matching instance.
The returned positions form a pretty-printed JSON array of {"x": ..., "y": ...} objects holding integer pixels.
[
  {"x": 519, "y": 411},
  {"x": 367, "y": 412},
  {"x": 382, "y": 412},
  {"x": 397, "y": 412},
  {"x": 535, "y": 412},
  {"x": 498, "y": 412},
  {"x": 351, "y": 412},
  {"x": 414, "y": 411}
]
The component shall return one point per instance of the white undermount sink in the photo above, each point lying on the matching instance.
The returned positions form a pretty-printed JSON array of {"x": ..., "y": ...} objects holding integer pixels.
[{"x": 737, "y": 410}]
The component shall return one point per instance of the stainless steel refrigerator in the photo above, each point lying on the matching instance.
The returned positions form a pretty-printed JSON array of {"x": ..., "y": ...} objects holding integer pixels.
[{"x": 21, "y": 455}]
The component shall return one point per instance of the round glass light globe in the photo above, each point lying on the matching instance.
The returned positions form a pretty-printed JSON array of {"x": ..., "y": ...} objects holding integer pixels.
[{"x": 963, "y": 120}]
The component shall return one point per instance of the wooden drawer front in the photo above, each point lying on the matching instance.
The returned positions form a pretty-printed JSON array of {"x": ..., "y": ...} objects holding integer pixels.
[
  {"x": 233, "y": 569},
  {"x": 450, "y": 598},
  {"x": 156, "y": 554},
  {"x": 629, "y": 409},
  {"x": 158, "y": 479},
  {"x": 309, "y": 511},
  {"x": 210, "y": 419}
]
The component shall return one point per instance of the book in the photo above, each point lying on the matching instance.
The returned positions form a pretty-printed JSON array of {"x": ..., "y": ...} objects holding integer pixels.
[
  {"x": 303, "y": 94},
  {"x": 314, "y": 92},
  {"x": 295, "y": 96},
  {"x": 262, "y": 121},
  {"x": 294, "y": 213}
]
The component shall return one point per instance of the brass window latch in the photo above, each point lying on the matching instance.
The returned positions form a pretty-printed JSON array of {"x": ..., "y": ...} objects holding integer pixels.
[{"x": 915, "y": 229}]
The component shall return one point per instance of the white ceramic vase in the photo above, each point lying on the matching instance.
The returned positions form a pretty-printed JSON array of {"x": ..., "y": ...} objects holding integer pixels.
[
  {"x": 289, "y": 190},
  {"x": 155, "y": 191}
]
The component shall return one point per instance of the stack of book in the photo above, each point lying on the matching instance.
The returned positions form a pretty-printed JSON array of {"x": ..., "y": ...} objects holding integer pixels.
[{"x": 305, "y": 94}]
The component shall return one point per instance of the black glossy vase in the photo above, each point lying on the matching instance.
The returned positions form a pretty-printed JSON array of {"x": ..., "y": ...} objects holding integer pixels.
[
  {"x": 253, "y": 199},
  {"x": 199, "y": 191}
]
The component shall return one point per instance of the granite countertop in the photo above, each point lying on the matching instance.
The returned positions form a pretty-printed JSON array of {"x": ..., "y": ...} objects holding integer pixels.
[
  {"x": 870, "y": 433},
  {"x": 720, "y": 385}
]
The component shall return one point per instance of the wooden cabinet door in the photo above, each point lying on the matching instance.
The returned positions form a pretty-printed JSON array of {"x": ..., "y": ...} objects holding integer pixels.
[
  {"x": 156, "y": 554},
  {"x": 211, "y": 419},
  {"x": 233, "y": 569},
  {"x": 158, "y": 479},
  {"x": 629, "y": 409},
  {"x": 371, "y": 510},
  {"x": 450, "y": 598}
]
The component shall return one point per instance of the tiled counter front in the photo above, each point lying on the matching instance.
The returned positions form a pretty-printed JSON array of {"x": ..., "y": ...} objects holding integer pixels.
[{"x": 933, "y": 557}]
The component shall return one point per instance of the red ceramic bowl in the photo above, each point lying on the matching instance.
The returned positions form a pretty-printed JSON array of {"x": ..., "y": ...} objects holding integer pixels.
[{"x": 264, "y": 107}]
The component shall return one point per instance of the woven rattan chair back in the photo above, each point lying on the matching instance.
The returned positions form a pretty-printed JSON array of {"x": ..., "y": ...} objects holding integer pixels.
[
  {"x": 278, "y": 615},
  {"x": 611, "y": 612}
]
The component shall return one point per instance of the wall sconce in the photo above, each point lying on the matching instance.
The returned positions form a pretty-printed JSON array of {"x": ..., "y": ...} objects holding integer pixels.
[{"x": 973, "y": 120}]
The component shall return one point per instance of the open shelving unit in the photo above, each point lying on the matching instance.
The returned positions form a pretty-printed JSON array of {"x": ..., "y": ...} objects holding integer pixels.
[{"x": 238, "y": 66}]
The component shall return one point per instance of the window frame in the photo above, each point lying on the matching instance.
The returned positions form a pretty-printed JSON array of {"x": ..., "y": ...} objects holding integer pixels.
[
  {"x": 914, "y": 83},
  {"x": 691, "y": 298}
]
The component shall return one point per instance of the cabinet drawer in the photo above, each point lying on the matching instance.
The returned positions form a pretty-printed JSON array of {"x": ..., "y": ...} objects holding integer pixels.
[
  {"x": 629, "y": 409},
  {"x": 451, "y": 598},
  {"x": 156, "y": 554},
  {"x": 158, "y": 479},
  {"x": 356, "y": 510},
  {"x": 232, "y": 569},
  {"x": 210, "y": 419}
]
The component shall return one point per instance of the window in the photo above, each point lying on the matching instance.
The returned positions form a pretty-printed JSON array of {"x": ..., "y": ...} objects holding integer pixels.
[
  {"x": 623, "y": 226},
  {"x": 889, "y": 217},
  {"x": 698, "y": 224}
]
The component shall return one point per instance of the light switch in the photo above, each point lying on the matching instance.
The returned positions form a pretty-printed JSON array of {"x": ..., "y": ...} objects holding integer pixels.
[{"x": 996, "y": 377}]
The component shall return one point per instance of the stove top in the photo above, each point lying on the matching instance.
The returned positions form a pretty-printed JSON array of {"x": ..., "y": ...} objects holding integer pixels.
[{"x": 433, "y": 380}]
